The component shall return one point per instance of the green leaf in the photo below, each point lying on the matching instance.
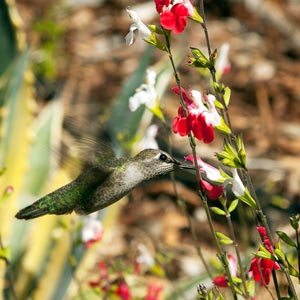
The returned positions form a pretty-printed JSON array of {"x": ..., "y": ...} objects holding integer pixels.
[
  {"x": 224, "y": 239},
  {"x": 198, "y": 59},
  {"x": 156, "y": 29},
  {"x": 5, "y": 253},
  {"x": 154, "y": 41},
  {"x": 227, "y": 94},
  {"x": 264, "y": 254},
  {"x": 233, "y": 205},
  {"x": 280, "y": 255},
  {"x": 229, "y": 157},
  {"x": 130, "y": 120},
  {"x": 219, "y": 88},
  {"x": 292, "y": 270},
  {"x": 247, "y": 198},
  {"x": 8, "y": 40},
  {"x": 283, "y": 236},
  {"x": 241, "y": 151},
  {"x": 223, "y": 127},
  {"x": 294, "y": 221},
  {"x": 196, "y": 17},
  {"x": 218, "y": 211},
  {"x": 197, "y": 53}
]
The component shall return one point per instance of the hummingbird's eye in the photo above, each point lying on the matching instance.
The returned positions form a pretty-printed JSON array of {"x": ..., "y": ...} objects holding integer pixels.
[{"x": 163, "y": 157}]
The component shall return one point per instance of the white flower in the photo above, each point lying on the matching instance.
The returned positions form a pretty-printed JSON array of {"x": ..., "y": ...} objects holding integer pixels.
[
  {"x": 138, "y": 25},
  {"x": 211, "y": 115},
  {"x": 222, "y": 64},
  {"x": 145, "y": 257},
  {"x": 237, "y": 186},
  {"x": 92, "y": 228},
  {"x": 145, "y": 94},
  {"x": 148, "y": 140}
]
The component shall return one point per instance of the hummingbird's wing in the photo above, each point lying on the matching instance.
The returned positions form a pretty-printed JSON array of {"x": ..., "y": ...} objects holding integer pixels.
[{"x": 97, "y": 161}]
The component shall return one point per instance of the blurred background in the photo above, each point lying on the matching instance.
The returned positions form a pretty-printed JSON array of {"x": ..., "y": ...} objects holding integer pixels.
[{"x": 66, "y": 76}]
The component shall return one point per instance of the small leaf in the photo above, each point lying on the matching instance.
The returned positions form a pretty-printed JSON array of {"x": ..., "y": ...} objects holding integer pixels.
[
  {"x": 224, "y": 239},
  {"x": 233, "y": 205},
  {"x": 283, "y": 236},
  {"x": 294, "y": 220},
  {"x": 5, "y": 253},
  {"x": 247, "y": 198},
  {"x": 156, "y": 29},
  {"x": 223, "y": 127},
  {"x": 263, "y": 254},
  {"x": 227, "y": 94},
  {"x": 218, "y": 211},
  {"x": 219, "y": 88},
  {"x": 292, "y": 270},
  {"x": 229, "y": 157},
  {"x": 196, "y": 17},
  {"x": 241, "y": 151},
  {"x": 280, "y": 255},
  {"x": 197, "y": 53},
  {"x": 154, "y": 41}
]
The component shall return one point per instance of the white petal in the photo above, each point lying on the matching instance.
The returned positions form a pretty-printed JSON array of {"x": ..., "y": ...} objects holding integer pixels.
[
  {"x": 130, "y": 37},
  {"x": 237, "y": 186}
]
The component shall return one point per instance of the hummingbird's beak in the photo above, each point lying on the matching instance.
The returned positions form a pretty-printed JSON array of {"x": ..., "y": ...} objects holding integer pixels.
[{"x": 184, "y": 166}]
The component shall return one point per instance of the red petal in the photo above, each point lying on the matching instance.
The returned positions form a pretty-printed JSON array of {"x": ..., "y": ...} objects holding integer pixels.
[
  {"x": 213, "y": 191},
  {"x": 220, "y": 281},
  {"x": 167, "y": 20},
  {"x": 207, "y": 130},
  {"x": 196, "y": 127},
  {"x": 160, "y": 4},
  {"x": 186, "y": 99},
  {"x": 180, "y": 12}
]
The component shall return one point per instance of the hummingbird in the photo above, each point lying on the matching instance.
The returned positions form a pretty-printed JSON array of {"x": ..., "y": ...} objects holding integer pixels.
[{"x": 103, "y": 183}]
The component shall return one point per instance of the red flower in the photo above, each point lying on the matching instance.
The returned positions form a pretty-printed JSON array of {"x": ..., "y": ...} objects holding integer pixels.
[
  {"x": 174, "y": 16},
  {"x": 123, "y": 290},
  {"x": 220, "y": 281},
  {"x": 153, "y": 292},
  {"x": 181, "y": 124},
  {"x": 261, "y": 268},
  {"x": 160, "y": 4},
  {"x": 200, "y": 120},
  {"x": 213, "y": 191}
]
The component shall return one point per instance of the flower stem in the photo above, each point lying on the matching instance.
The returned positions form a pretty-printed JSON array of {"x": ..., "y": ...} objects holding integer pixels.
[
  {"x": 236, "y": 247},
  {"x": 202, "y": 196}
]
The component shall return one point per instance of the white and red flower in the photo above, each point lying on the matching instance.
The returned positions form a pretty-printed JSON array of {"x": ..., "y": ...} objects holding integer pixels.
[
  {"x": 221, "y": 281},
  {"x": 213, "y": 175},
  {"x": 200, "y": 120}
]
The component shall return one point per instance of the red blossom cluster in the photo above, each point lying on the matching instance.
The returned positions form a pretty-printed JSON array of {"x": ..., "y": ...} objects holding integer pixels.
[
  {"x": 199, "y": 119},
  {"x": 261, "y": 268},
  {"x": 117, "y": 288}
]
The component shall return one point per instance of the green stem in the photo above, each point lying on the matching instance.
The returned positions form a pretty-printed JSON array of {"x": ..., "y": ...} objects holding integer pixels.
[
  {"x": 298, "y": 251},
  {"x": 11, "y": 277},
  {"x": 202, "y": 195},
  {"x": 236, "y": 247}
]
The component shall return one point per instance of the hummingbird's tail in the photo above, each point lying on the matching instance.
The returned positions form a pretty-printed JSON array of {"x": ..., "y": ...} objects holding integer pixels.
[
  {"x": 32, "y": 211},
  {"x": 53, "y": 203}
]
